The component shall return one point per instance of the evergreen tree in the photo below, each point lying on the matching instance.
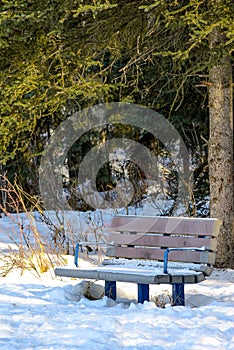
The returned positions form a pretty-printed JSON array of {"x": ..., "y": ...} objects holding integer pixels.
[
  {"x": 197, "y": 37},
  {"x": 59, "y": 57}
]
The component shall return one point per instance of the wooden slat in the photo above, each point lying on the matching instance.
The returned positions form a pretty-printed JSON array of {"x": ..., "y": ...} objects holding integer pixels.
[
  {"x": 113, "y": 274},
  {"x": 162, "y": 224},
  {"x": 217, "y": 226},
  {"x": 158, "y": 254},
  {"x": 153, "y": 240},
  {"x": 132, "y": 276}
]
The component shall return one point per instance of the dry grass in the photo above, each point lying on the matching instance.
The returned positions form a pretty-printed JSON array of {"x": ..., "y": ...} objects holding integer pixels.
[
  {"x": 162, "y": 299},
  {"x": 23, "y": 252}
]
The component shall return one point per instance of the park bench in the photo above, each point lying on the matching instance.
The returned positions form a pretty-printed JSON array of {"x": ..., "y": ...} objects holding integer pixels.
[{"x": 153, "y": 250}]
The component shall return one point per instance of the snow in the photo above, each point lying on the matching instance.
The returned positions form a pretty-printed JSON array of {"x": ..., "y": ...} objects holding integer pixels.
[{"x": 45, "y": 312}]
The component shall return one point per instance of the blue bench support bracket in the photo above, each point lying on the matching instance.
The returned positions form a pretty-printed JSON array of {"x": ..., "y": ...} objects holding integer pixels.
[
  {"x": 76, "y": 256},
  {"x": 110, "y": 289},
  {"x": 168, "y": 250},
  {"x": 178, "y": 294},
  {"x": 143, "y": 293}
]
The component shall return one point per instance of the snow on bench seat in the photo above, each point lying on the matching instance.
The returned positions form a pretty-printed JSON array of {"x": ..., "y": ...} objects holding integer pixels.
[{"x": 188, "y": 244}]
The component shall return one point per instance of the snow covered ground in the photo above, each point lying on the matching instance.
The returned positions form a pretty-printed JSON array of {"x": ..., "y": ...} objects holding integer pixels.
[{"x": 52, "y": 313}]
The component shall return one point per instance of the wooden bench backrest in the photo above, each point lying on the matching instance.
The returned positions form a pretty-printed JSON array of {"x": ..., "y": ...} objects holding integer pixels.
[{"x": 147, "y": 237}]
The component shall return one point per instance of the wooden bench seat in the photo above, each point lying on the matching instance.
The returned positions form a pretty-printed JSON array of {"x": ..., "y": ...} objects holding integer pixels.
[{"x": 154, "y": 250}]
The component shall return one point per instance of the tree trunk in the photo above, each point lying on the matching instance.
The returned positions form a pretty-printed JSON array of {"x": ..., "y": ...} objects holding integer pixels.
[{"x": 221, "y": 150}]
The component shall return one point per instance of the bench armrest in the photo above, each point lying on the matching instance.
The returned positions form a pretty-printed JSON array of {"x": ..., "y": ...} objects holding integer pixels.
[
  {"x": 168, "y": 250},
  {"x": 83, "y": 244}
]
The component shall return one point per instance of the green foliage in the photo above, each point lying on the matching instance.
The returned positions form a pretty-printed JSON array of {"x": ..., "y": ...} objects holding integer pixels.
[
  {"x": 57, "y": 57},
  {"x": 42, "y": 75}
]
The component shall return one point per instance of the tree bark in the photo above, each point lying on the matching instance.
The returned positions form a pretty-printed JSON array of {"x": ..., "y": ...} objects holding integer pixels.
[{"x": 221, "y": 150}]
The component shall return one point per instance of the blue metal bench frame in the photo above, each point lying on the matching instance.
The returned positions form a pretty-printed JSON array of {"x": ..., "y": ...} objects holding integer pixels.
[
  {"x": 178, "y": 295},
  {"x": 184, "y": 228}
]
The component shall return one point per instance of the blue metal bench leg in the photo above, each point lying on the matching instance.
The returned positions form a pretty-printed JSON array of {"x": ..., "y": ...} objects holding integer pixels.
[
  {"x": 178, "y": 294},
  {"x": 110, "y": 289},
  {"x": 143, "y": 293}
]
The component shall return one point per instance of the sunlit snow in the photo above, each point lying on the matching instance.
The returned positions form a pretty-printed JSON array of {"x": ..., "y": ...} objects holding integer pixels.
[{"x": 53, "y": 313}]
